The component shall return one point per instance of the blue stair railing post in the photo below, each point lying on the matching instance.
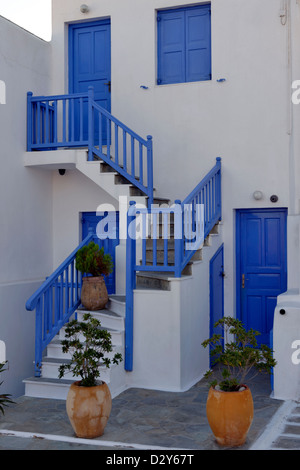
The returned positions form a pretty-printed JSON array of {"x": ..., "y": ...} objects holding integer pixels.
[
  {"x": 219, "y": 188},
  {"x": 178, "y": 236},
  {"x": 38, "y": 339},
  {"x": 130, "y": 284},
  {"x": 150, "y": 169},
  {"x": 29, "y": 121},
  {"x": 90, "y": 123}
]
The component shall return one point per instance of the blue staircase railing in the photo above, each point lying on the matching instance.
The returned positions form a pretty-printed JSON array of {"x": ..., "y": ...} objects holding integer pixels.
[
  {"x": 179, "y": 230},
  {"x": 76, "y": 120},
  {"x": 55, "y": 302}
]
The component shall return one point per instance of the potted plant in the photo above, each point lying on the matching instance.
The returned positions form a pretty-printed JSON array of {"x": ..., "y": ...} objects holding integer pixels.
[
  {"x": 229, "y": 404},
  {"x": 93, "y": 263},
  {"x": 4, "y": 398},
  {"x": 89, "y": 400}
]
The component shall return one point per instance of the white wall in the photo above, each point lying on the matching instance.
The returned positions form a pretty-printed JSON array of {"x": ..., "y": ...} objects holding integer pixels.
[
  {"x": 73, "y": 193},
  {"x": 25, "y": 202},
  {"x": 169, "y": 328},
  {"x": 244, "y": 119}
]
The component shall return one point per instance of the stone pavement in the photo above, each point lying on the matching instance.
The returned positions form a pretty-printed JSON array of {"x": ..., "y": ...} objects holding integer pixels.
[{"x": 146, "y": 419}]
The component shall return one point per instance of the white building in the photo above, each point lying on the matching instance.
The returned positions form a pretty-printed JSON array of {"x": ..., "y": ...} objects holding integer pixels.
[{"x": 205, "y": 80}]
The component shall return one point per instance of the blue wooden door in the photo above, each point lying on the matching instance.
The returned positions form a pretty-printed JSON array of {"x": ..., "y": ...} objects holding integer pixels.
[
  {"x": 216, "y": 282},
  {"x": 90, "y": 65},
  {"x": 261, "y": 267},
  {"x": 106, "y": 226}
]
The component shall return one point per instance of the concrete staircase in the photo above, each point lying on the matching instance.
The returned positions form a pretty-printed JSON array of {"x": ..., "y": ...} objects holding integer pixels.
[
  {"x": 112, "y": 318},
  {"x": 50, "y": 386},
  {"x": 150, "y": 287},
  {"x": 97, "y": 171}
]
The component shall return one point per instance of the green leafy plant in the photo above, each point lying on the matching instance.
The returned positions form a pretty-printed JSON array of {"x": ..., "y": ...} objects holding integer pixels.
[
  {"x": 88, "y": 343},
  {"x": 239, "y": 358},
  {"x": 4, "y": 399},
  {"x": 91, "y": 259}
]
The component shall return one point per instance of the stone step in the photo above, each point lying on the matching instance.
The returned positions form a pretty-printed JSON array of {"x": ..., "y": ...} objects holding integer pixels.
[
  {"x": 160, "y": 243},
  {"x": 151, "y": 280},
  {"x": 161, "y": 280},
  {"x": 158, "y": 280},
  {"x": 160, "y": 255}
]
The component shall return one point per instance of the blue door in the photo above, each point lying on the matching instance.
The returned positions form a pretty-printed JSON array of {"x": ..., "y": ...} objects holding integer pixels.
[
  {"x": 261, "y": 267},
  {"x": 90, "y": 65},
  {"x": 106, "y": 225},
  {"x": 216, "y": 282}
]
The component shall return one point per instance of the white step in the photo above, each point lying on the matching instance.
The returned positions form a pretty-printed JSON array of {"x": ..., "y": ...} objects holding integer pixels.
[
  {"x": 54, "y": 350},
  {"x": 40, "y": 387},
  {"x": 50, "y": 386},
  {"x": 117, "y": 336},
  {"x": 108, "y": 319},
  {"x": 54, "y": 388},
  {"x": 117, "y": 304},
  {"x": 51, "y": 365}
]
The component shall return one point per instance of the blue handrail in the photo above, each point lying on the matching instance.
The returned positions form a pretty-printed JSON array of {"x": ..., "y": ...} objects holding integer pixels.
[
  {"x": 178, "y": 230},
  {"x": 70, "y": 121},
  {"x": 206, "y": 195},
  {"x": 54, "y": 302},
  {"x": 133, "y": 155}
]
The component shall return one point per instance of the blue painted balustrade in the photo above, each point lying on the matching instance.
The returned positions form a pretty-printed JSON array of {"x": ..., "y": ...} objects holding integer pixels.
[
  {"x": 179, "y": 230},
  {"x": 76, "y": 120},
  {"x": 55, "y": 302}
]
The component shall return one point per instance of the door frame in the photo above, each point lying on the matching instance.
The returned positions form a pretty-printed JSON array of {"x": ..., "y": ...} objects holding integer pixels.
[
  {"x": 238, "y": 213},
  {"x": 71, "y": 27},
  {"x": 211, "y": 323},
  {"x": 84, "y": 217},
  {"x": 211, "y": 292}
]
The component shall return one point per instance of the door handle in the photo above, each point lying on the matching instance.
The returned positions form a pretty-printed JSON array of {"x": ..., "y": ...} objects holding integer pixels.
[
  {"x": 109, "y": 85},
  {"x": 243, "y": 281}
]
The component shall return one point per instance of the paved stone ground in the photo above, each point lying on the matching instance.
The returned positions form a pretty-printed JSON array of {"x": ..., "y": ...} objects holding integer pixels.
[
  {"x": 140, "y": 419},
  {"x": 283, "y": 431}
]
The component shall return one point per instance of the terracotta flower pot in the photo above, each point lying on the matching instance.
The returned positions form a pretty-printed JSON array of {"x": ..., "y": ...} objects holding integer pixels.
[
  {"x": 230, "y": 415},
  {"x": 88, "y": 409},
  {"x": 94, "y": 294}
]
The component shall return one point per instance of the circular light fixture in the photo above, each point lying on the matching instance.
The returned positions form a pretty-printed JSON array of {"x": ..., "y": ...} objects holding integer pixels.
[
  {"x": 257, "y": 195},
  {"x": 84, "y": 8}
]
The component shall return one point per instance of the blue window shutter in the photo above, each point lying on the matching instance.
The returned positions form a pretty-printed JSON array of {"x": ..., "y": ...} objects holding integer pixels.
[
  {"x": 171, "y": 47},
  {"x": 198, "y": 43},
  {"x": 184, "y": 44}
]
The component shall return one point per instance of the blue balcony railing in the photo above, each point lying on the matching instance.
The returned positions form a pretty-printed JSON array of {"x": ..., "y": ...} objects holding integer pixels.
[{"x": 77, "y": 121}]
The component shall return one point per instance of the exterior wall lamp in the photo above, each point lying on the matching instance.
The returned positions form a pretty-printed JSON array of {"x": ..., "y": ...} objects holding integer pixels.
[
  {"x": 258, "y": 195},
  {"x": 84, "y": 8}
]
